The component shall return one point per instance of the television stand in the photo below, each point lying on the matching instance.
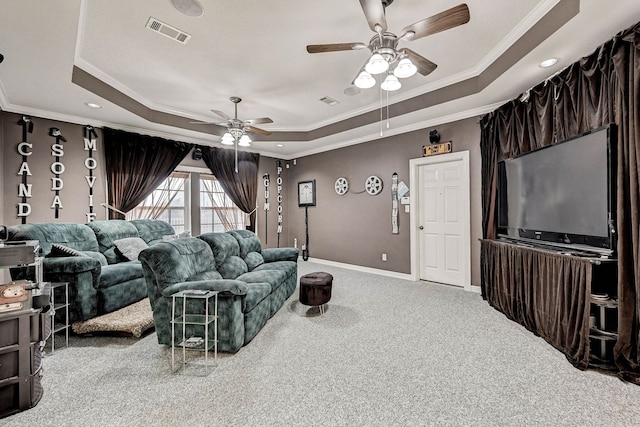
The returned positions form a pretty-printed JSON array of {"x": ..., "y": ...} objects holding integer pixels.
[{"x": 558, "y": 296}]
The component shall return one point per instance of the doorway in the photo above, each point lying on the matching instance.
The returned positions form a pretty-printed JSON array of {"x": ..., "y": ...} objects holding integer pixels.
[{"x": 441, "y": 219}]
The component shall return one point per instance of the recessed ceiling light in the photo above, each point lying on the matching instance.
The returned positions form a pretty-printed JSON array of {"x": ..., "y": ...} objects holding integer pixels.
[
  {"x": 92, "y": 105},
  {"x": 548, "y": 63},
  {"x": 352, "y": 91},
  {"x": 279, "y": 145}
]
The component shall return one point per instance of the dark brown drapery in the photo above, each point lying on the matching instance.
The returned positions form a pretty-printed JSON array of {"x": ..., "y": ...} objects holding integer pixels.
[
  {"x": 525, "y": 287},
  {"x": 599, "y": 89},
  {"x": 136, "y": 165},
  {"x": 241, "y": 186}
]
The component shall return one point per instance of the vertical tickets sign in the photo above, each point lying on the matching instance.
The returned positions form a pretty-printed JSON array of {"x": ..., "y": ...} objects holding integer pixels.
[
  {"x": 90, "y": 138},
  {"x": 57, "y": 168},
  {"x": 24, "y": 149}
]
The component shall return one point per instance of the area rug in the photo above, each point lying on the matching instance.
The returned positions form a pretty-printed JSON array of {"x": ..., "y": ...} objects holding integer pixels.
[{"x": 133, "y": 320}]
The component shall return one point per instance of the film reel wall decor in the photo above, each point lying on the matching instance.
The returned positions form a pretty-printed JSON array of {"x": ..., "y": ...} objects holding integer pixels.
[{"x": 373, "y": 186}]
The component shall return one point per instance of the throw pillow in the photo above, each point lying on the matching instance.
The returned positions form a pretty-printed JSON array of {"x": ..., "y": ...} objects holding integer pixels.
[
  {"x": 58, "y": 250},
  {"x": 130, "y": 247},
  {"x": 253, "y": 260}
]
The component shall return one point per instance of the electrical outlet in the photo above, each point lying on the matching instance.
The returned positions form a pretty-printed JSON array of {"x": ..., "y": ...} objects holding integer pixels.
[{"x": 384, "y": 257}]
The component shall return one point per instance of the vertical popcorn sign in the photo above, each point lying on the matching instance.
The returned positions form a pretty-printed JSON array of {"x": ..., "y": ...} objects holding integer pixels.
[{"x": 90, "y": 163}]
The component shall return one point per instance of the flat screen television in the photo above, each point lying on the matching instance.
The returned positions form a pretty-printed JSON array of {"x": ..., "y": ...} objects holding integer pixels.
[{"x": 562, "y": 195}]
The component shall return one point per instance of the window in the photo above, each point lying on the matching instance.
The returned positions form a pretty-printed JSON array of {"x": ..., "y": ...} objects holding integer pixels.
[
  {"x": 217, "y": 211},
  {"x": 169, "y": 202}
]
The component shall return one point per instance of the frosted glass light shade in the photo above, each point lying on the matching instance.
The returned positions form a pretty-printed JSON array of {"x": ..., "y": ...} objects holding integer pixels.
[
  {"x": 391, "y": 83},
  {"x": 364, "y": 80},
  {"x": 227, "y": 139},
  {"x": 377, "y": 64},
  {"x": 405, "y": 68},
  {"x": 245, "y": 141}
]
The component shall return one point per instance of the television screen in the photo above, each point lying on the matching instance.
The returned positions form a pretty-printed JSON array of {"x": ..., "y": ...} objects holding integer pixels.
[{"x": 561, "y": 194}]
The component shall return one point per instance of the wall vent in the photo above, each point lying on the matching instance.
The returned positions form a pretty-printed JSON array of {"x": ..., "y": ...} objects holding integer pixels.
[
  {"x": 167, "y": 30},
  {"x": 329, "y": 101}
]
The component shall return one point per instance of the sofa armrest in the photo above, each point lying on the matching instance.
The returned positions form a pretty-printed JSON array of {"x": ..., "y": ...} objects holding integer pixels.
[
  {"x": 280, "y": 254},
  {"x": 70, "y": 265},
  {"x": 224, "y": 286}
]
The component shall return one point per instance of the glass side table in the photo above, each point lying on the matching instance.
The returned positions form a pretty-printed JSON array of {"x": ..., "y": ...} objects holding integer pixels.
[
  {"x": 195, "y": 312},
  {"x": 60, "y": 315}
]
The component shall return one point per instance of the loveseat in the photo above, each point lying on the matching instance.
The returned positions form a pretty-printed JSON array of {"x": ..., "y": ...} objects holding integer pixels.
[
  {"x": 101, "y": 277},
  {"x": 253, "y": 282}
]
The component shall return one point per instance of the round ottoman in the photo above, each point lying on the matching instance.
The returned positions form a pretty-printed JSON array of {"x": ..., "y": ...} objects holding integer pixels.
[{"x": 315, "y": 289}]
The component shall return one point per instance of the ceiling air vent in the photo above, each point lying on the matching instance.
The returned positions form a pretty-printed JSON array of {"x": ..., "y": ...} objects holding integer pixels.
[
  {"x": 329, "y": 101},
  {"x": 167, "y": 30}
]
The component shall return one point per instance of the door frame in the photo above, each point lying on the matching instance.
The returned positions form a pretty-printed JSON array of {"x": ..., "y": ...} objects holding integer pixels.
[{"x": 414, "y": 207}]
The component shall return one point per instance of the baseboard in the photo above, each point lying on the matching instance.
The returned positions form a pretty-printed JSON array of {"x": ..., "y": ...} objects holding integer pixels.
[
  {"x": 361, "y": 269},
  {"x": 387, "y": 273}
]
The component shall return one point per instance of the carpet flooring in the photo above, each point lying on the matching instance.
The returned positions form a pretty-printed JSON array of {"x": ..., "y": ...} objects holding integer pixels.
[{"x": 387, "y": 352}]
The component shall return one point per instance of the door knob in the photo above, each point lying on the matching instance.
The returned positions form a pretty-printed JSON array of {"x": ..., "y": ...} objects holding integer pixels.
[{"x": 421, "y": 228}]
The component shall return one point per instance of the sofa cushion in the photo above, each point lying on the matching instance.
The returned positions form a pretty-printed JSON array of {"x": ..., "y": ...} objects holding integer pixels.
[
  {"x": 253, "y": 260},
  {"x": 115, "y": 274},
  {"x": 108, "y": 231},
  {"x": 205, "y": 275},
  {"x": 289, "y": 267},
  {"x": 275, "y": 278},
  {"x": 96, "y": 255},
  {"x": 247, "y": 240},
  {"x": 232, "y": 267},
  {"x": 152, "y": 231},
  {"x": 256, "y": 293},
  {"x": 75, "y": 236},
  {"x": 130, "y": 247}
]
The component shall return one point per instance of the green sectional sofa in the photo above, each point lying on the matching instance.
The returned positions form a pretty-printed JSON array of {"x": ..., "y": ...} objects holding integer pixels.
[
  {"x": 253, "y": 282},
  {"x": 101, "y": 277}
]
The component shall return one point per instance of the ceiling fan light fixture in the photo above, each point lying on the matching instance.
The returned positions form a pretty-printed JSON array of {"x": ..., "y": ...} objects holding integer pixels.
[
  {"x": 245, "y": 141},
  {"x": 391, "y": 83},
  {"x": 364, "y": 80},
  {"x": 377, "y": 64},
  {"x": 405, "y": 68},
  {"x": 227, "y": 139}
]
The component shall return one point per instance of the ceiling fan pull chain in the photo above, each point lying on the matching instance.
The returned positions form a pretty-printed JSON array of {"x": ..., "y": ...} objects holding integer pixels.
[
  {"x": 387, "y": 109},
  {"x": 381, "y": 115}
]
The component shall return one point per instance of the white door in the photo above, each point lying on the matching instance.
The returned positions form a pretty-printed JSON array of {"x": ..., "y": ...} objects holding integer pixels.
[{"x": 443, "y": 219}]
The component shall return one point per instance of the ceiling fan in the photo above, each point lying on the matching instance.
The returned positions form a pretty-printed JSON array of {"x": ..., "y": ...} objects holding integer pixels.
[
  {"x": 386, "y": 56},
  {"x": 237, "y": 129}
]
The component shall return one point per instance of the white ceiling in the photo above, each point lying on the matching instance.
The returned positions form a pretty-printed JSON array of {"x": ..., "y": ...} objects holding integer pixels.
[{"x": 256, "y": 50}]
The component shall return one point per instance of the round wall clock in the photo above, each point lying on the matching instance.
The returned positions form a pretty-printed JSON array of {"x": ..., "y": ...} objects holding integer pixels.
[
  {"x": 342, "y": 186},
  {"x": 373, "y": 185}
]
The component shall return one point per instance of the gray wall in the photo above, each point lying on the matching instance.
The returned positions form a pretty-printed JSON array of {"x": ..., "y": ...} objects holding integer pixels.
[
  {"x": 74, "y": 195},
  {"x": 351, "y": 229},
  {"x": 356, "y": 228}
]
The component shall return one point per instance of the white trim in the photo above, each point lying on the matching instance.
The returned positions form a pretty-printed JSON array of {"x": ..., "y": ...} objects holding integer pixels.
[
  {"x": 361, "y": 269},
  {"x": 414, "y": 242}
]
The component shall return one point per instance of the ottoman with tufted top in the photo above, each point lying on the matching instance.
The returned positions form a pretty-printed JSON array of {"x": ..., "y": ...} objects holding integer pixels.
[{"x": 315, "y": 289}]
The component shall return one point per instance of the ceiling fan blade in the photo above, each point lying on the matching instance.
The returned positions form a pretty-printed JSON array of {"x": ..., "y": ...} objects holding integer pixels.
[
  {"x": 221, "y": 114},
  {"x": 321, "y": 48},
  {"x": 450, "y": 18},
  {"x": 211, "y": 123},
  {"x": 258, "y": 121},
  {"x": 374, "y": 12},
  {"x": 257, "y": 130},
  {"x": 423, "y": 64}
]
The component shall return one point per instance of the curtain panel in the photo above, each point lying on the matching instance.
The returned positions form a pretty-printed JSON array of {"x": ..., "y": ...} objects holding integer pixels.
[
  {"x": 524, "y": 286},
  {"x": 136, "y": 164},
  {"x": 241, "y": 186},
  {"x": 601, "y": 88}
]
